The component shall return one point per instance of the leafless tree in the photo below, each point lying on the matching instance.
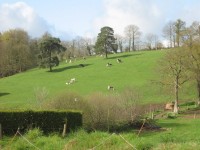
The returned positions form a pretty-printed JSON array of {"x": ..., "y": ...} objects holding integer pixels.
[
  {"x": 169, "y": 34},
  {"x": 132, "y": 33},
  {"x": 174, "y": 73},
  {"x": 120, "y": 41}
]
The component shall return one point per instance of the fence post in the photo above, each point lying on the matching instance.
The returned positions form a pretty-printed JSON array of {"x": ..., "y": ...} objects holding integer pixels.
[
  {"x": 1, "y": 132},
  {"x": 64, "y": 130}
]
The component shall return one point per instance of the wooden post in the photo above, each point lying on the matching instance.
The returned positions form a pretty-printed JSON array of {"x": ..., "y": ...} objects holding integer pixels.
[
  {"x": 64, "y": 130},
  {"x": 1, "y": 132},
  {"x": 108, "y": 123},
  {"x": 194, "y": 115}
]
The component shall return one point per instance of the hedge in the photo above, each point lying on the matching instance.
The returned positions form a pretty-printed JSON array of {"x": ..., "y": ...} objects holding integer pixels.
[{"x": 47, "y": 121}]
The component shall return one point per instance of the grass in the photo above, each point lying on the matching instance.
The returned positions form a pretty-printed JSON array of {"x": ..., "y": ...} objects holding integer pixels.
[
  {"x": 180, "y": 133},
  {"x": 137, "y": 70}
]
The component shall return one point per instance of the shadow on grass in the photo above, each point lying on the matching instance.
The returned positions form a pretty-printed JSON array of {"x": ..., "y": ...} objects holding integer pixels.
[
  {"x": 124, "y": 56},
  {"x": 70, "y": 67},
  {"x": 171, "y": 125},
  {"x": 4, "y": 94}
]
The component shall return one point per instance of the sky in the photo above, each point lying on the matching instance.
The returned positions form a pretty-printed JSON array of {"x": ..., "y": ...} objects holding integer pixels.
[{"x": 67, "y": 19}]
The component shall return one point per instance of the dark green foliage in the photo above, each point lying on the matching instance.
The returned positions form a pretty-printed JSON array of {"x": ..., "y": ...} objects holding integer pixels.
[
  {"x": 47, "y": 121},
  {"x": 188, "y": 103},
  {"x": 105, "y": 41},
  {"x": 146, "y": 123},
  {"x": 50, "y": 47},
  {"x": 172, "y": 115}
]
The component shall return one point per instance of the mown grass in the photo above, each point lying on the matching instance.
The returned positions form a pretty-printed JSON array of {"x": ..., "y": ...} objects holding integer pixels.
[
  {"x": 178, "y": 134},
  {"x": 138, "y": 70}
]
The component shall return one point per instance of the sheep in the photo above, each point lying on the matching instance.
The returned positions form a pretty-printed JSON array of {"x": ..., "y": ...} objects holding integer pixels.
[
  {"x": 111, "y": 88},
  {"x": 108, "y": 65},
  {"x": 71, "y": 81},
  {"x": 119, "y": 60}
]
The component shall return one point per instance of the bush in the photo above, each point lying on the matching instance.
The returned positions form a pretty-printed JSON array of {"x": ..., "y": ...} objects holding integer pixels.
[
  {"x": 171, "y": 115},
  {"x": 47, "y": 121},
  {"x": 100, "y": 111}
]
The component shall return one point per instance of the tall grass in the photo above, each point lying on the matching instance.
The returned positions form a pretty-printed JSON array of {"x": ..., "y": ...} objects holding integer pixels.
[{"x": 178, "y": 134}]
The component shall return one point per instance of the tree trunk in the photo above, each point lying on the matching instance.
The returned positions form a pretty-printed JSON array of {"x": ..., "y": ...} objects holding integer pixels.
[
  {"x": 198, "y": 88},
  {"x": 129, "y": 45},
  {"x": 106, "y": 54},
  {"x": 133, "y": 43},
  {"x": 176, "y": 96},
  {"x": 50, "y": 67}
]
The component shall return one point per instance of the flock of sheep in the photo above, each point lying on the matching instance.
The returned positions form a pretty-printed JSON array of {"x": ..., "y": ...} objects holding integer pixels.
[{"x": 72, "y": 80}]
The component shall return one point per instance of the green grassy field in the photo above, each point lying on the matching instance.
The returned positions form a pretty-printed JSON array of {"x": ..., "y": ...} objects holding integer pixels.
[
  {"x": 177, "y": 134},
  {"x": 138, "y": 70}
]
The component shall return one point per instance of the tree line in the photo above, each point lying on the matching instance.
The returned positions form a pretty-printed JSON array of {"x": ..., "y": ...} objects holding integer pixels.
[{"x": 19, "y": 52}]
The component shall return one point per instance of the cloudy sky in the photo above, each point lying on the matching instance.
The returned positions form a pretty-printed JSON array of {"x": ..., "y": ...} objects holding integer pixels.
[{"x": 69, "y": 18}]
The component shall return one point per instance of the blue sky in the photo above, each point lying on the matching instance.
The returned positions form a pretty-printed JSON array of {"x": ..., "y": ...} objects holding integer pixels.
[{"x": 69, "y": 18}]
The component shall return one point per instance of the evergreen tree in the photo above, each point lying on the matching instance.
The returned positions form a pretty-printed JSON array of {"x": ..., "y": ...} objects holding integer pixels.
[{"x": 105, "y": 41}]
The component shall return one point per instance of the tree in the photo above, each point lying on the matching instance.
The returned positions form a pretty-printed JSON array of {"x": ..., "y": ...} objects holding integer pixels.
[
  {"x": 179, "y": 28},
  {"x": 152, "y": 41},
  {"x": 174, "y": 73},
  {"x": 169, "y": 34},
  {"x": 195, "y": 29},
  {"x": 192, "y": 63},
  {"x": 105, "y": 41},
  {"x": 132, "y": 34},
  {"x": 120, "y": 41},
  {"x": 15, "y": 52},
  {"x": 49, "y": 46}
]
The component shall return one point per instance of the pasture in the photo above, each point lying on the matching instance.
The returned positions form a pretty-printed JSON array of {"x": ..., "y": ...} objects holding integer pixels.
[{"x": 137, "y": 70}]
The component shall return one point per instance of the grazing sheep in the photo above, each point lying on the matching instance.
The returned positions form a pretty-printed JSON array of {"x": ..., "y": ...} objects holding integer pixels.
[
  {"x": 71, "y": 81},
  {"x": 119, "y": 60},
  {"x": 108, "y": 65},
  {"x": 111, "y": 88}
]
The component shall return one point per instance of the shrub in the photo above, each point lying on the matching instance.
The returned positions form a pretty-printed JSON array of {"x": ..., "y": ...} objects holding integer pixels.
[
  {"x": 100, "y": 111},
  {"x": 172, "y": 115},
  {"x": 47, "y": 121}
]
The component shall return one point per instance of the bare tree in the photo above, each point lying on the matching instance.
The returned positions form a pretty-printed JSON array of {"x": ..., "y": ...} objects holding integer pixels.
[
  {"x": 195, "y": 27},
  {"x": 179, "y": 27},
  {"x": 169, "y": 34},
  {"x": 192, "y": 63},
  {"x": 174, "y": 73},
  {"x": 152, "y": 41},
  {"x": 120, "y": 41},
  {"x": 132, "y": 33}
]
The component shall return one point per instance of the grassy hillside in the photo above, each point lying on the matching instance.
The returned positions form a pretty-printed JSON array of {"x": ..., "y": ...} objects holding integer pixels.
[{"x": 137, "y": 70}]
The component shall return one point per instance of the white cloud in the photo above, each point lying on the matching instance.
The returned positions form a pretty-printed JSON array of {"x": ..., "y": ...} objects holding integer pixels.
[
  {"x": 149, "y": 15},
  {"x": 120, "y": 13},
  {"x": 20, "y": 15}
]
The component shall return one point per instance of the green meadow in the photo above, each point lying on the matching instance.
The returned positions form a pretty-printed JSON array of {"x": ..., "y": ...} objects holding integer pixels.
[{"x": 137, "y": 70}]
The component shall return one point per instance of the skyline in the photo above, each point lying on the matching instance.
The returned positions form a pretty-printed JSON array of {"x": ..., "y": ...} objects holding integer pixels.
[{"x": 68, "y": 19}]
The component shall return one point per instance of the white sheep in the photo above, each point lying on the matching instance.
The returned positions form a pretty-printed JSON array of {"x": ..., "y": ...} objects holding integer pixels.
[
  {"x": 71, "y": 81},
  {"x": 111, "y": 88}
]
